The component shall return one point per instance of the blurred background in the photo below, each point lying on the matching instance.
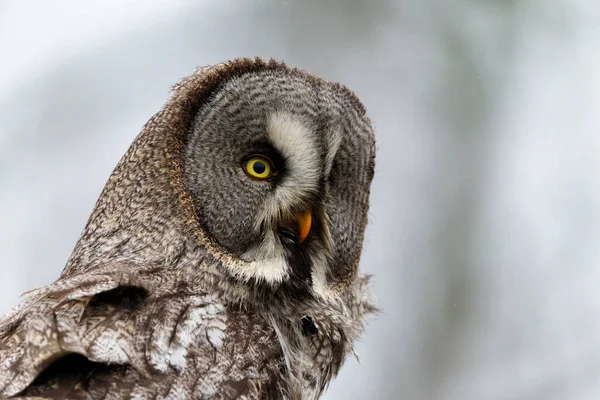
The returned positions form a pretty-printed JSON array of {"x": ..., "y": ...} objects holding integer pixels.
[{"x": 484, "y": 229}]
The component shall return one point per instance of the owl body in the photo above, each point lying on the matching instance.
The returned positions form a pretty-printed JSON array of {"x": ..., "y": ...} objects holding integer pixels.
[{"x": 220, "y": 261}]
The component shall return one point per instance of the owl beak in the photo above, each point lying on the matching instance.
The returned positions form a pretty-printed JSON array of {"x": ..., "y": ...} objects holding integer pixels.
[
  {"x": 304, "y": 222},
  {"x": 296, "y": 230}
]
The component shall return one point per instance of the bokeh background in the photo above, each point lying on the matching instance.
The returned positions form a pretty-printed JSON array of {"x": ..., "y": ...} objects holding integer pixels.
[{"x": 484, "y": 231}]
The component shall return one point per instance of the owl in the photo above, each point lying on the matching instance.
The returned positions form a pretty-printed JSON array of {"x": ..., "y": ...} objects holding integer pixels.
[{"x": 220, "y": 261}]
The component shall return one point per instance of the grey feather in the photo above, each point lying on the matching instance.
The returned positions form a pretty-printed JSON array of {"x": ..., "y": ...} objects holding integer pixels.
[{"x": 182, "y": 285}]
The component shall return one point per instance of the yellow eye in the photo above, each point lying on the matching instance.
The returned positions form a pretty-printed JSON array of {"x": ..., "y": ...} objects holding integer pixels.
[{"x": 259, "y": 167}]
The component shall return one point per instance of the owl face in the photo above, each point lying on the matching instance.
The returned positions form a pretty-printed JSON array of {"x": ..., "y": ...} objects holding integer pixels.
[{"x": 279, "y": 167}]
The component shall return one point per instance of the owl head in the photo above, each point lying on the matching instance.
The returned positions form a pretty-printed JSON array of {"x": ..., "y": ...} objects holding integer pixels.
[{"x": 265, "y": 166}]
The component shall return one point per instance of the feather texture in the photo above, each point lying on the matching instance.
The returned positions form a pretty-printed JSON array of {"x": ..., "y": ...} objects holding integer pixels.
[{"x": 153, "y": 305}]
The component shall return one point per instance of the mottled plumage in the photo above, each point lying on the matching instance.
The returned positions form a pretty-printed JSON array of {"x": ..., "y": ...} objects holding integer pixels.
[{"x": 184, "y": 283}]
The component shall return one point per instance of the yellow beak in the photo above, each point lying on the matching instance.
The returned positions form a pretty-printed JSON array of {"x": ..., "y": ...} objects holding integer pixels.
[{"x": 304, "y": 221}]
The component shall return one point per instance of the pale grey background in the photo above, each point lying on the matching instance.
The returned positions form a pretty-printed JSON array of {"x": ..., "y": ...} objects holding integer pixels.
[{"x": 485, "y": 221}]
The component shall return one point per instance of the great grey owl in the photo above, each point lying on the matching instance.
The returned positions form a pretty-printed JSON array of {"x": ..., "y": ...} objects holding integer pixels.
[{"x": 220, "y": 261}]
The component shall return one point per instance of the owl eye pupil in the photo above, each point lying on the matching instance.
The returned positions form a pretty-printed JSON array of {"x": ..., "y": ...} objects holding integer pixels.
[{"x": 259, "y": 167}]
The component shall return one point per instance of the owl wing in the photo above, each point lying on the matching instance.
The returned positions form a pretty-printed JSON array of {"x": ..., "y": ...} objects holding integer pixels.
[{"x": 113, "y": 334}]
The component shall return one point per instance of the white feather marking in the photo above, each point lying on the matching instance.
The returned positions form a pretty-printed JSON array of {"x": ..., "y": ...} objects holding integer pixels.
[
  {"x": 178, "y": 358},
  {"x": 107, "y": 345},
  {"x": 215, "y": 335},
  {"x": 320, "y": 266},
  {"x": 334, "y": 139},
  {"x": 297, "y": 143},
  {"x": 266, "y": 260},
  {"x": 271, "y": 270},
  {"x": 205, "y": 322},
  {"x": 288, "y": 353}
]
